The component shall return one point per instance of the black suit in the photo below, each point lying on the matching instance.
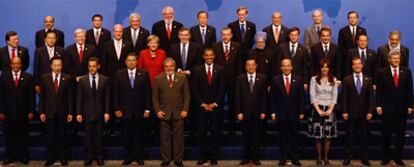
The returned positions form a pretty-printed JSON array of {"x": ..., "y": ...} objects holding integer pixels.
[
  {"x": 333, "y": 55},
  {"x": 383, "y": 56},
  {"x": 40, "y": 38},
  {"x": 204, "y": 93},
  {"x": 5, "y": 58},
  {"x": 287, "y": 108},
  {"x": 92, "y": 105},
  {"x": 141, "y": 42},
  {"x": 110, "y": 62},
  {"x": 194, "y": 55},
  {"x": 42, "y": 61},
  {"x": 159, "y": 29},
  {"x": 299, "y": 60},
  {"x": 357, "y": 106},
  {"x": 370, "y": 66},
  {"x": 76, "y": 67},
  {"x": 394, "y": 102},
  {"x": 209, "y": 39},
  {"x": 266, "y": 61},
  {"x": 103, "y": 38},
  {"x": 271, "y": 42},
  {"x": 16, "y": 103},
  {"x": 251, "y": 104},
  {"x": 248, "y": 40},
  {"x": 346, "y": 41},
  {"x": 56, "y": 106}
]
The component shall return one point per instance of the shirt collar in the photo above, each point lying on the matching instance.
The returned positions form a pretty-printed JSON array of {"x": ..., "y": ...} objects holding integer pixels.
[
  {"x": 206, "y": 65},
  {"x": 392, "y": 69},
  {"x": 274, "y": 27},
  {"x": 254, "y": 75},
  {"x": 227, "y": 44},
  {"x": 397, "y": 47},
  {"x": 97, "y": 29},
  {"x": 58, "y": 75},
  {"x": 360, "y": 75},
  {"x": 53, "y": 28},
  {"x": 360, "y": 50},
  {"x": 240, "y": 23},
  {"x": 18, "y": 73},
  {"x": 132, "y": 71},
  {"x": 289, "y": 76},
  {"x": 294, "y": 44},
  {"x": 96, "y": 76},
  {"x": 83, "y": 46},
  {"x": 351, "y": 27}
]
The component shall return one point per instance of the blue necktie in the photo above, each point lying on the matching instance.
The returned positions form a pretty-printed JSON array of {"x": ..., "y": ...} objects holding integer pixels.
[
  {"x": 184, "y": 55},
  {"x": 358, "y": 84},
  {"x": 203, "y": 35},
  {"x": 243, "y": 31},
  {"x": 132, "y": 79}
]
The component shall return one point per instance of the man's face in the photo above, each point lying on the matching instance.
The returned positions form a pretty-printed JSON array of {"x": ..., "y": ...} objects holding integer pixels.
[
  {"x": 202, "y": 19},
  {"x": 226, "y": 35},
  {"x": 353, "y": 19},
  {"x": 13, "y": 41},
  {"x": 169, "y": 68},
  {"x": 118, "y": 31},
  {"x": 184, "y": 36},
  {"x": 16, "y": 64},
  {"x": 394, "y": 60},
  {"x": 242, "y": 14},
  {"x": 131, "y": 62},
  {"x": 277, "y": 19},
  {"x": 135, "y": 22},
  {"x": 56, "y": 66},
  {"x": 286, "y": 66},
  {"x": 168, "y": 15},
  {"x": 362, "y": 41},
  {"x": 317, "y": 17},
  {"x": 251, "y": 66},
  {"x": 209, "y": 57},
  {"x": 80, "y": 38},
  {"x": 325, "y": 37},
  {"x": 260, "y": 43},
  {"x": 93, "y": 67},
  {"x": 294, "y": 36},
  {"x": 357, "y": 66},
  {"x": 97, "y": 22},
  {"x": 50, "y": 39},
  {"x": 394, "y": 40},
  {"x": 49, "y": 22}
]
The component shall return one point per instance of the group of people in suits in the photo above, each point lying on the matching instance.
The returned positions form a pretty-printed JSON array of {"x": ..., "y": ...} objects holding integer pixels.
[{"x": 176, "y": 73}]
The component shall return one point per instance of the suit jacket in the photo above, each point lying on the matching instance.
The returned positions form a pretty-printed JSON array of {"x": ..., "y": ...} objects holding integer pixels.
[
  {"x": 56, "y": 104},
  {"x": 194, "y": 55},
  {"x": 160, "y": 30},
  {"x": 345, "y": 40},
  {"x": 16, "y": 103},
  {"x": 334, "y": 57},
  {"x": 42, "y": 61},
  {"x": 141, "y": 42},
  {"x": 171, "y": 100},
  {"x": 357, "y": 105},
  {"x": 103, "y": 38},
  {"x": 300, "y": 60},
  {"x": 311, "y": 37},
  {"x": 394, "y": 100},
  {"x": 249, "y": 37},
  {"x": 132, "y": 101},
  {"x": 266, "y": 61},
  {"x": 370, "y": 66},
  {"x": 234, "y": 66},
  {"x": 93, "y": 107},
  {"x": 383, "y": 56},
  {"x": 251, "y": 104},
  {"x": 202, "y": 92},
  {"x": 5, "y": 58},
  {"x": 287, "y": 107},
  {"x": 40, "y": 38},
  {"x": 210, "y": 37},
  {"x": 271, "y": 42},
  {"x": 75, "y": 67},
  {"x": 110, "y": 62}
]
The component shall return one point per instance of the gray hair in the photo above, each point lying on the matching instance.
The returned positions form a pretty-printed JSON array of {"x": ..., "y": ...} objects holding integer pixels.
[
  {"x": 134, "y": 15},
  {"x": 395, "y": 32},
  {"x": 317, "y": 10},
  {"x": 167, "y": 8},
  {"x": 394, "y": 52},
  {"x": 168, "y": 60},
  {"x": 79, "y": 30}
]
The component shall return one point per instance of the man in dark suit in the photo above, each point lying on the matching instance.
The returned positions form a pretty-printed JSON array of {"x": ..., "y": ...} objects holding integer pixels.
[
  {"x": 115, "y": 52},
  {"x": 97, "y": 36},
  {"x": 167, "y": 29},
  {"x": 42, "y": 58},
  {"x": 17, "y": 101},
  {"x": 92, "y": 107},
  {"x": 368, "y": 57},
  {"x": 171, "y": 100},
  {"x": 136, "y": 35},
  {"x": 228, "y": 55},
  {"x": 276, "y": 32},
  {"x": 297, "y": 52},
  {"x": 11, "y": 50},
  {"x": 243, "y": 30},
  {"x": 203, "y": 34},
  {"x": 49, "y": 23},
  {"x": 287, "y": 99},
  {"x": 251, "y": 90},
  {"x": 394, "y": 43},
  {"x": 132, "y": 103},
  {"x": 207, "y": 85},
  {"x": 394, "y": 104},
  {"x": 56, "y": 108},
  {"x": 77, "y": 56},
  {"x": 329, "y": 50},
  {"x": 357, "y": 107},
  {"x": 312, "y": 33}
]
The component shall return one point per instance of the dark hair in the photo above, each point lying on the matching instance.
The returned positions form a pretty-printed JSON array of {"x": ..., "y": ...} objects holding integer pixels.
[
  {"x": 353, "y": 12},
  {"x": 132, "y": 54},
  {"x": 326, "y": 29},
  {"x": 294, "y": 29},
  {"x": 250, "y": 58},
  {"x": 361, "y": 36},
  {"x": 208, "y": 50},
  {"x": 201, "y": 12},
  {"x": 322, "y": 63},
  {"x": 49, "y": 32},
  {"x": 97, "y": 15},
  {"x": 55, "y": 58},
  {"x": 10, "y": 34},
  {"x": 355, "y": 58},
  {"x": 183, "y": 29},
  {"x": 95, "y": 59}
]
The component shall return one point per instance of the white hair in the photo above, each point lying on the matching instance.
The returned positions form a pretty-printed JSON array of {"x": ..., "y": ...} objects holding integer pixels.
[
  {"x": 118, "y": 25},
  {"x": 134, "y": 15},
  {"x": 79, "y": 30},
  {"x": 167, "y": 8},
  {"x": 317, "y": 10}
]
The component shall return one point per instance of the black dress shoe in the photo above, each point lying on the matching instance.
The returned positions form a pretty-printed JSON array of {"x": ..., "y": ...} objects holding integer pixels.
[
  {"x": 296, "y": 163},
  {"x": 178, "y": 163},
  {"x": 64, "y": 162},
  {"x": 213, "y": 162},
  {"x": 346, "y": 162},
  {"x": 399, "y": 163},
  {"x": 244, "y": 162},
  {"x": 318, "y": 162},
  {"x": 140, "y": 162},
  {"x": 165, "y": 163},
  {"x": 201, "y": 162},
  {"x": 385, "y": 162},
  {"x": 101, "y": 162},
  {"x": 88, "y": 162},
  {"x": 7, "y": 161},
  {"x": 256, "y": 162},
  {"x": 366, "y": 162},
  {"x": 282, "y": 162},
  {"x": 49, "y": 163},
  {"x": 24, "y": 161},
  {"x": 326, "y": 163},
  {"x": 126, "y": 162}
]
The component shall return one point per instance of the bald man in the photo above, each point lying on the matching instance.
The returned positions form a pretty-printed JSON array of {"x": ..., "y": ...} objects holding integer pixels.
[
  {"x": 134, "y": 34},
  {"x": 312, "y": 33},
  {"x": 49, "y": 24}
]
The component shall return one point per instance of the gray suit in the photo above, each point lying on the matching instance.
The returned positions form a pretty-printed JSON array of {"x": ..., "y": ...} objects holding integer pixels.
[
  {"x": 171, "y": 100},
  {"x": 311, "y": 37}
]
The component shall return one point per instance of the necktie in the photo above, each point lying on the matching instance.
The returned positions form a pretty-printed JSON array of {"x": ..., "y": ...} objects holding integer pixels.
[
  {"x": 243, "y": 31},
  {"x": 56, "y": 83},
  {"x": 203, "y": 35},
  {"x": 227, "y": 53},
  {"x": 93, "y": 85},
  {"x": 358, "y": 84},
  {"x": 170, "y": 81},
  {"x": 168, "y": 31},
  {"x": 318, "y": 29},
  {"x": 209, "y": 75},
  {"x": 132, "y": 79},
  {"x": 251, "y": 83},
  {"x": 363, "y": 57},
  {"x": 13, "y": 53},
  {"x": 16, "y": 80},
  {"x": 277, "y": 35},
  {"x": 353, "y": 34},
  {"x": 80, "y": 54},
  {"x": 292, "y": 51},
  {"x": 325, "y": 52},
  {"x": 287, "y": 86},
  {"x": 134, "y": 37},
  {"x": 118, "y": 50},
  {"x": 395, "y": 78},
  {"x": 97, "y": 36},
  {"x": 184, "y": 56},
  {"x": 51, "y": 52}
]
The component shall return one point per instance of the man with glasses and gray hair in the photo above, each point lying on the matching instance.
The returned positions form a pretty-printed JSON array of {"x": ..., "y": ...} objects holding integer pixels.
[{"x": 167, "y": 29}]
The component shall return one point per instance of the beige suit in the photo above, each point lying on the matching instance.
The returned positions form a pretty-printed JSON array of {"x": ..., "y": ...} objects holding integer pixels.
[{"x": 171, "y": 100}]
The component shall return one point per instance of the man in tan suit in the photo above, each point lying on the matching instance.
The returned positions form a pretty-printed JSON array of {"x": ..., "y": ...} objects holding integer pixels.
[{"x": 171, "y": 100}]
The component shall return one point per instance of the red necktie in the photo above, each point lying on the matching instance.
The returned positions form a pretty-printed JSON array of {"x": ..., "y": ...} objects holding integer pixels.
[
  {"x": 209, "y": 75},
  {"x": 56, "y": 83},
  {"x": 80, "y": 54},
  {"x": 227, "y": 54},
  {"x": 170, "y": 80},
  {"x": 395, "y": 78},
  {"x": 13, "y": 55},
  {"x": 16, "y": 80},
  {"x": 168, "y": 32},
  {"x": 287, "y": 86}
]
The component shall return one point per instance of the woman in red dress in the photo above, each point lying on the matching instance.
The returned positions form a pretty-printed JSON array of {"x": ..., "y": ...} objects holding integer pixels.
[{"x": 151, "y": 59}]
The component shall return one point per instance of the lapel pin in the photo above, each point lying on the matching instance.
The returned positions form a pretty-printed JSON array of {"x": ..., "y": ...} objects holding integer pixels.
[
  {"x": 139, "y": 73},
  {"x": 21, "y": 78},
  {"x": 208, "y": 30},
  {"x": 123, "y": 45},
  {"x": 175, "y": 27},
  {"x": 248, "y": 28},
  {"x": 257, "y": 79},
  {"x": 293, "y": 80},
  {"x": 86, "y": 48},
  {"x": 102, "y": 33},
  {"x": 63, "y": 79},
  {"x": 20, "y": 51}
]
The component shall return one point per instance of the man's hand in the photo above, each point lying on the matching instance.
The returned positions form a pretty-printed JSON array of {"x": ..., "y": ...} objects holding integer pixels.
[
  {"x": 374, "y": 87},
  {"x": 186, "y": 72},
  {"x": 118, "y": 114},
  {"x": 69, "y": 118},
  {"x": 79, "y": 118},
  {"x": 345, "y": 116},
  {"x": 301, "y": 116},
  {"x": 240, "y": 117},
  {"x": 43, "y": 118},
  {"x": 379, "y": 110},
  {"x": 147, "y": 114},
  {"x": 184, "y": 114},
  {"x": 409, "y": 110},
  {"x": 274, "y": 117},
  {"x": 30, "y": 116},
  {"x": 262, "y": 116},
  {"x": 78, "y": 78},
  {"x": 37, "y": 89},
  {"x": 212, "y": 106},
  {"x": 205, "y": 107},
  {"x": 369, "y": 116},
  {"x": 2, "y": 117},
  {"x": 161, "y": 114},
  {"x": 106, "y": 117},
  {"x": 306, "y": 87}
]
